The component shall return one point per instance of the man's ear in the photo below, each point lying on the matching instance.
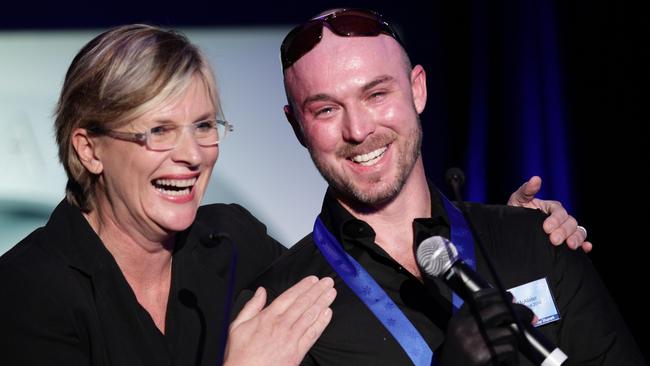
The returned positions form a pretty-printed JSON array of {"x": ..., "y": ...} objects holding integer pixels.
[
  {"x": 419, "y": 88},
  {"x": 297, "y": 130},
  {"x": 86, "y": 149}
]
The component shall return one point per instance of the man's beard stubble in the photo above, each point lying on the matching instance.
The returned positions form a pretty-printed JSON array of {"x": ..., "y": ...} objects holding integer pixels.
[{"x": 344, "y": 187}]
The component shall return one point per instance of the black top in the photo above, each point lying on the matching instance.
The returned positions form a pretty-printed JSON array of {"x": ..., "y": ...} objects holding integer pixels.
[
  {"x": 591, "y": 330},
  {"x": 64, "y": 301}
]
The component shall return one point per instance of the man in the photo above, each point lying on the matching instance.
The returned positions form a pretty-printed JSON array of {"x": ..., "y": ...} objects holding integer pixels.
[{"x": 354, "y": 102}]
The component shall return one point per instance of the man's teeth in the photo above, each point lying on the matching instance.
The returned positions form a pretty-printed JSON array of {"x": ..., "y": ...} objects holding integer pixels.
[
  {"x": 369, "y": 158},
  {"x": 175, "y": 187}
]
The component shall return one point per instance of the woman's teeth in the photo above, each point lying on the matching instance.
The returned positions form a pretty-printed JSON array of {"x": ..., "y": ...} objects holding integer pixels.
[{"x": 174, "y": 187}]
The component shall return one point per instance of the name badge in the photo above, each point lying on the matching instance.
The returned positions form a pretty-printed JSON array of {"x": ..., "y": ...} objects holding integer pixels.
[{"x": 537, "y": 296}]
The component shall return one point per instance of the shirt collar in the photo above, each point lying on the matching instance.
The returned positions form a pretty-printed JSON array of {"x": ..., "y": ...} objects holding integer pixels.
[
  {"x": 350, "y": 231},
  {"x": 73, "y": 239}
]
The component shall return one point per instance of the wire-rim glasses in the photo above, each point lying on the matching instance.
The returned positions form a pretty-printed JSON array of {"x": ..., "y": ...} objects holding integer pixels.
[{"x": 164, "y": 137}]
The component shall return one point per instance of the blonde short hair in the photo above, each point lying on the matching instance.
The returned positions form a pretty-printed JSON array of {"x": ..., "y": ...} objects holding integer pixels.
[{"x": 115, "y": 78}]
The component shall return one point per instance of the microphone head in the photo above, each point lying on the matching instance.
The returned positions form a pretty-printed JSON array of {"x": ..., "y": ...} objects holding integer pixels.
[
  {"x": 455, "y": 174},
  {"x": 436, "y": 255}
]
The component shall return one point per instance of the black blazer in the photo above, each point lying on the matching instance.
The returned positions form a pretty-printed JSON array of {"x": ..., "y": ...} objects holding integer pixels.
[{"x": 64, "y": 301}]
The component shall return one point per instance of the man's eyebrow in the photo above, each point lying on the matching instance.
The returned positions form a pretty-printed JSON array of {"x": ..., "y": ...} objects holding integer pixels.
[
  {"x": 317, "y": 98},
  {"x": 380, "y": 80}
]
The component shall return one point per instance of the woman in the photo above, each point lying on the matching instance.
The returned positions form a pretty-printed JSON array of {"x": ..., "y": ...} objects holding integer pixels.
[{"x": 129, "y": 270}]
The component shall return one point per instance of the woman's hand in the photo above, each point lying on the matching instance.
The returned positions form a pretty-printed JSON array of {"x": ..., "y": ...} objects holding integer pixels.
[{"x": 283, "y": 332}]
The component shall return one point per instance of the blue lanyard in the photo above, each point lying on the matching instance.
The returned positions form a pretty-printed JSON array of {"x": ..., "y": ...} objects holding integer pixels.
[
  {"x": 376, "y": 299},
  {"x": 462, "y": 238}
]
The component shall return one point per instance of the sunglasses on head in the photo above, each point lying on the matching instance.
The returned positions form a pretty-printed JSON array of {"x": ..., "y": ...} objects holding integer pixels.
[{"x": 342, "y": 22}]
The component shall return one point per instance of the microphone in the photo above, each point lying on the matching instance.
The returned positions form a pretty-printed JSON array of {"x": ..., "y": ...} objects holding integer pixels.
[{"x": 438, "y": 257}]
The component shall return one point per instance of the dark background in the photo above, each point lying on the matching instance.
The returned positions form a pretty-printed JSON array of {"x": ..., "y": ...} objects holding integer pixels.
[{"x": 601, "y": 48}]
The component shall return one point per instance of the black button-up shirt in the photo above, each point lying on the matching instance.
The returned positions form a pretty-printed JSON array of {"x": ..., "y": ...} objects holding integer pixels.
[
  {"x": 590, "y": 329},
  {"x": 64, "y": 300}
]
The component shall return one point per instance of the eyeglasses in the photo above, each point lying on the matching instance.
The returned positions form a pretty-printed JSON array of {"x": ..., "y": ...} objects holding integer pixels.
[
  {"x": 165, "y": 137},
  {"x": 343, "y": 22}
]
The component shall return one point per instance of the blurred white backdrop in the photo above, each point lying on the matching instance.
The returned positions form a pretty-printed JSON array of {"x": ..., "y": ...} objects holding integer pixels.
[{"x": 261, "y": 165}]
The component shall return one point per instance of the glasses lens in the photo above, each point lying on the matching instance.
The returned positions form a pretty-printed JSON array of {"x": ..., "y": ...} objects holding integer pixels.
[
  {"x": 205, "y": 133},
  {"x": 162, "y": 137},
  {"x": 300, "y": 41},
  {"x": 355, "y": 23},
  {"x": 221, "y": 131},
  {"x": 345, "y": 23},
  {"x": 209, "y": 132}
]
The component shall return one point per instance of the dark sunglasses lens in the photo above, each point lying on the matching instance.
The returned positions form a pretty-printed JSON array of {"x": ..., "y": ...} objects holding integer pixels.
[
  {"x": 300, "y": 41},
  {"x": 345, "y": 23},
  {"x": 355, "y": 24}
]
